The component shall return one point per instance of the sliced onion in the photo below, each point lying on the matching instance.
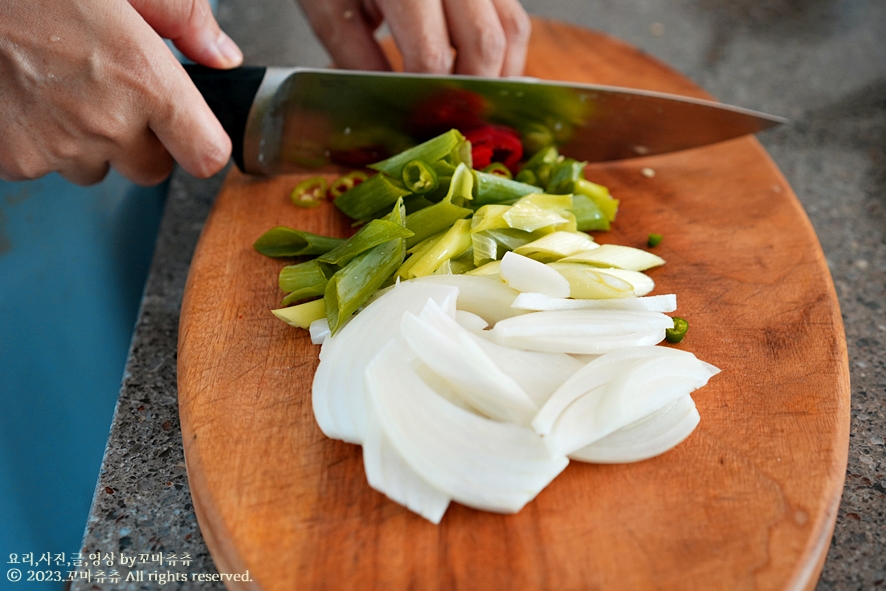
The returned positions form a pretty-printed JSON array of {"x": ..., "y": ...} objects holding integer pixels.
[
  {"x": 338, "y": 390},
  {"x": 651, "y": 436},
  {"x": 539, "y": 301},
  {"x": 525, "y": 274},
  {"x": 470, "y": 321},
  {"x": 478, "y": 462},
  {"x": 487, "y": 297},
  {"x": 389, "y": 474},
  {"x": 452, "y": 353},
  {"x": 319, "y": 331}
]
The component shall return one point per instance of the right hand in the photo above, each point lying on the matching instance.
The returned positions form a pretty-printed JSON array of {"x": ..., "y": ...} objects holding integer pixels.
[{"x": 86, "y": 85}]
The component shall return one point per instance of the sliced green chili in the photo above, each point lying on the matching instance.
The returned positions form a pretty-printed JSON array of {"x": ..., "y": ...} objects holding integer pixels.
[
  {"x": 654, "y": 240},
  {"x": 346, "y": 182},
  {"x": 310, "y": 192},
  {"x": 286, "y": 242},
  {"x": 676, "y": 334},
  {"x": 438, "y": 148},
  {"x": 499, "y": 169},
  {"x": 418, "y": 177}
]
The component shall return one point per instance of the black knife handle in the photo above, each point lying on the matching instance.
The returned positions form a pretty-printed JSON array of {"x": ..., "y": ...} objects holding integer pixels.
[{"x": 229, "y": 93}]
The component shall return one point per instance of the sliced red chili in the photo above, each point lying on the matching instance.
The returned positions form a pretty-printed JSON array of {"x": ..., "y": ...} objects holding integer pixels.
[{"x": 494, "y": 143}]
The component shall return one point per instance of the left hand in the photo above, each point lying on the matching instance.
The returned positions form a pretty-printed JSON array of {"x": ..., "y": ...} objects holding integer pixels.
[{"x": 489, "y": 37}]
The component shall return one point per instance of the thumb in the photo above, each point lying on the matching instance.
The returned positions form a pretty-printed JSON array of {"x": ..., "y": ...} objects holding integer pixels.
[{"x": 190, "y": 25}]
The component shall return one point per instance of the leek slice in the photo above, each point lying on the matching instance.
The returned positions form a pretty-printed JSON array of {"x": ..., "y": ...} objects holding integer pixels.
[
  {"x": 540, "y": 210},
  {"x": 493, "y": 188},
  {"x": 366, "y": 200},
  {"x": 591, "y": 283},
  {"x": 431, "y": 151},
  {"x": 613, "y": 255},
  {"x": 555, "y": 246},
  {"x": 302, "y": 315},
  {"x": 641, "y": 282},
  {"x": 440, "y": 216},
  {"x": 451, "y": 244},
  {"x": 287, "y": 242},
  {"x": 525, "y": 274},
  {"x": 539, "y": 301},
  {"x": 475, "y": 461},
  {"x": 651, "y": 436},
  {"x": 372, "y": 234},
  {"x": 338, "y": 391},
  {"x": 303, "y": 281},
  {"x": 490, "y": 269},
  {"x": 449, "y": 350}
]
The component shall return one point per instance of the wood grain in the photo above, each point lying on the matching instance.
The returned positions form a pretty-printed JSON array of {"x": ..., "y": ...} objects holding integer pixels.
[{"x": 747, "y": 502}]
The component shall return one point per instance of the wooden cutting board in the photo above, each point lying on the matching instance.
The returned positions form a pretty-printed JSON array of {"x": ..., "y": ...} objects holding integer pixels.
[{"x": 747, "y": 502}]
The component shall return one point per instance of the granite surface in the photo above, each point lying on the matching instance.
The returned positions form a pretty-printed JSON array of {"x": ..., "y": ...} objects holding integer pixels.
[{"x": 821, "y": 63}]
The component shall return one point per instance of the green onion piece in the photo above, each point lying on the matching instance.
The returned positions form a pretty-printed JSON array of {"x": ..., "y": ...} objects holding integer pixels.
[
  {"x": 355, "y": 283},
  {"x": 303, "y": 281},
  {"x": 346, "y": 182},
  {"x": 414, "y": 203},
  {"x": 366, "y": 200},
  {"x": 492, "y": 244},
  {"x": 555, "y": 246},
  {"x": 541, "y": 210},
  {"x": 440, "y": 216},
  {"x": 451, "y": 244},
  {"x": 499, "y": 169},
  {"x": 462, "y": 263},
  {"x": 600, "y": 194},
  {"x": 492, "y": 188},
  {"x": 372, "y": 234},
  {"x": 438, "y": 148},
  {"x": 419, "y": 178},
  {"x": 286, "y": 242},
  {"x": 489, "y": 217},
  {"x": 676, "y": 334},
  {"x": 564, "y": 176},
  {"x": 654, "y": 240},
  {"x": 527, "y": 176},
  {"x": 310, "y": 192},
  {"x": 302, "y": 315},
  {"x": 588, "y": 215},
  {"x": 548, "y": 155},
  {"x": 543, "y": 173}
]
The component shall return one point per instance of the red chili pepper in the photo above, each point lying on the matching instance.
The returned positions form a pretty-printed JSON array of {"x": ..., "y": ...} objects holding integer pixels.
[
  {"x": 495, "y": 143},
  {"x": 448, "y": 109}
]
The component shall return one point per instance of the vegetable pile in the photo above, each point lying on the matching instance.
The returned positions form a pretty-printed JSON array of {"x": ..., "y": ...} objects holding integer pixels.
[{"x": 474, "y": 337}]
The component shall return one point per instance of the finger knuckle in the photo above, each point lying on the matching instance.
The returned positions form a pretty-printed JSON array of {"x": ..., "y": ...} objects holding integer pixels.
[
  {"x": 436, "y": 59},
  {"x": 212, "y": 159},
  {"x": 517, "y": 26},
  {"x": 489, "y": 46}
]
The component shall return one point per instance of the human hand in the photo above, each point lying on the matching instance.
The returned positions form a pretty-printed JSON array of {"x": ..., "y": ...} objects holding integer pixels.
[
  {"x": 490, "y": 37},
  {"x": 89, "y": 84}
]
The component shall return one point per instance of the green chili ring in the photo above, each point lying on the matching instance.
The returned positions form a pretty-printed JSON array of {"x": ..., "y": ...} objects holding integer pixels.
[
  {"x": 310, "y": 192},
  {"x": 419, "y": 177},
  {"x": 499, "y": 169},
  {"x": 676, "y": 334},
  {"x": 346, "y": 182}
]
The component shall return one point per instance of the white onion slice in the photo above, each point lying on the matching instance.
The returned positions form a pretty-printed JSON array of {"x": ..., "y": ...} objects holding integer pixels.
[
  {"x": 487, "y": 297},
  {"x": 319, "y": 330},
  {"x": 581, "y": 331},
  {"x": 525, "y": 274},
  {"x": 452, "y": 352},
  {"x": 539, "y": 301},
  {"x": 389, "y": 474},
  {"x": 338, "y": 390},
  {"x": 470, "y": 321},
  {"x": 478, "y": 462},
  {"x": 651, "y": 436}
]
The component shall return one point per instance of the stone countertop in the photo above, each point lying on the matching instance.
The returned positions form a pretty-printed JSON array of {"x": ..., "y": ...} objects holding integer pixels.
[{"x": 821, "y": 63}]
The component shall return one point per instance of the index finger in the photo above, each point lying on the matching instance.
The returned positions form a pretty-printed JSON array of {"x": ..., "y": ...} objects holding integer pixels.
[{"x": 419, "y": 29}]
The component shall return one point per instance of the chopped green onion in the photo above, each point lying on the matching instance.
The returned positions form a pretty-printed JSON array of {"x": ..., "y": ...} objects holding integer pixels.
[
  {"x": 564, "y": 175},
  {"x": 527, "y": 176},
  {"x": 676, "y": 334},
  {"x": 497, "y": 168},
  {"x": 588, "y": 215},
  {"x": 599, "y": 194},
  {"x": 548, "y": 155},
  {"x": 366, "y": 200},
  {"x": 419, "y": 178},
  {"x": 302, "y": 315},
  {"x": 346, "y": 182},
  {"x": 452, "y": 243},
  {"x": 654, "y": 240},
  {"x": 310, "y": 192},
  {"x": 440, "y": 216},
  {"x": 492, "y": 188},
  {"x": 303, "y": 281},
  {"x": 372, "y": 234},
  {"x": 286, "y": 242},
  {"x": 541, "y": 210},
  {"x": 438, "y": 148}
]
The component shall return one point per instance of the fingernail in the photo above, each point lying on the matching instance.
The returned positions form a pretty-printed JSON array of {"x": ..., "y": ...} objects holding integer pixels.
[{"x": 229, "y": 50}]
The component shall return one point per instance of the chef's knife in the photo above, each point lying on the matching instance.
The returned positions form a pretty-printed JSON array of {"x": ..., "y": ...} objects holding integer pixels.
[{"x": 284, "y": 120}]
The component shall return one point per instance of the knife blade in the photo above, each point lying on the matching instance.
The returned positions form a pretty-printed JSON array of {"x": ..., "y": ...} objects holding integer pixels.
[{"x": 288, "y": 120}]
